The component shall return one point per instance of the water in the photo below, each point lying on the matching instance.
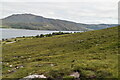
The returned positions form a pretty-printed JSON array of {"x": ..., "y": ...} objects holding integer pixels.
[{"x": 13, "y": 33}]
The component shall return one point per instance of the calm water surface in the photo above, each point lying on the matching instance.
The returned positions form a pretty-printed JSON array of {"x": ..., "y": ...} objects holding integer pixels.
[{"x": 12, "y": 33}]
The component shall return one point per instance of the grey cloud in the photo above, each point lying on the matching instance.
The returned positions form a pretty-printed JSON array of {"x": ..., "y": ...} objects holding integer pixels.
[{"x": 85, "y": 12}]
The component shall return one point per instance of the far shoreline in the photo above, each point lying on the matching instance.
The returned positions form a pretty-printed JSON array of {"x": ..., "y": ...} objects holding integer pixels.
[
  {"x": 8, "y": 33},
  {"x": 36, "y": 29}
]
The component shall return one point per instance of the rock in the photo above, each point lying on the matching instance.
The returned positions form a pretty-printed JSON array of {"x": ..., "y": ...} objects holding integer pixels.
[
  {"x": 30, "y": 77},
  {"x": 97, "y": 44},
  {"x": 29, "y": 58},
  {"x": 52, "y": 64},
  {"x": 17, "y": 67},
  {"x": 75, "y": 74},
  {"x": 9, "y": 70},
  {"x": 38, "y": 65},
  {"x": 21, "y": 66},
  {"x": 10, "y": 65}
]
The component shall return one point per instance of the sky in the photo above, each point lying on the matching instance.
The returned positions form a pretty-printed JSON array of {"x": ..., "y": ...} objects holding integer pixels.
[{"x": 80, "y": 11}]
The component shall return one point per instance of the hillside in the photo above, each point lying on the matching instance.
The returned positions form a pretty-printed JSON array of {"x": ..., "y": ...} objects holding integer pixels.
[
  {"x": 94, "y": 54},
  {"x": 30, "y": 21}
]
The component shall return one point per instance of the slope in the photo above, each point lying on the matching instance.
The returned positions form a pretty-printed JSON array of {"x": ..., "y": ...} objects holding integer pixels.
[{"x": 94, "y": 54}]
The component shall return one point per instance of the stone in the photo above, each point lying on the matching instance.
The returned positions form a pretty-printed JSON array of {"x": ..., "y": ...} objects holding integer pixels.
[
  {"x": 30, "y": 77},
  {"x": 10, "y": 65},
  {"x": 75, "y": 74}
]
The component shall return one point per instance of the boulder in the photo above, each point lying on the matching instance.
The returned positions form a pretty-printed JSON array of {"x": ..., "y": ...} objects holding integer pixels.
[{"x": 30, "y": 77}]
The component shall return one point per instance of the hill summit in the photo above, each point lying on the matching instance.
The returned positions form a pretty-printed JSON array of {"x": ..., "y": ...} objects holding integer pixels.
[{"x": 34, "y": 22}]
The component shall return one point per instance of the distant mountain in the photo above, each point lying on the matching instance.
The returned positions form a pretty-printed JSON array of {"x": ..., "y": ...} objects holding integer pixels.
[
  {"x": 30, "y": 21},
  {"x": 100, "y": 26}
]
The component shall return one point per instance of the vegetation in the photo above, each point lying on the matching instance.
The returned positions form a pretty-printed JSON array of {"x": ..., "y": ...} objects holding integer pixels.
[
  {"x": 49, "y": 35},
  {"x": 34, "y": 22},
  {"x": 94, "y": 54},
  {"x": 4, "y": 41}
]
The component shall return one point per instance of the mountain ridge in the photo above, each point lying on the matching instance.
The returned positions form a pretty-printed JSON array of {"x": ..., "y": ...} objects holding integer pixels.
[{"x": 30, "y": 21}]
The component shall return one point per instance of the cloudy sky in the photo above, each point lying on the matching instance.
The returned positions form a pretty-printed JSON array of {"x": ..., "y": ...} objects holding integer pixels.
[{"x": 81, "y": 11}]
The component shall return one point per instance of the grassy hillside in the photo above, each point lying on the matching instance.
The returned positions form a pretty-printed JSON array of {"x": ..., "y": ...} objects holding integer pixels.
[{"x": 94, "y": 54}]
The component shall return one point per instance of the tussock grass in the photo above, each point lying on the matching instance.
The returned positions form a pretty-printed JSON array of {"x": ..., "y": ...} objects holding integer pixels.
[{"x": 92, "y": 53}]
